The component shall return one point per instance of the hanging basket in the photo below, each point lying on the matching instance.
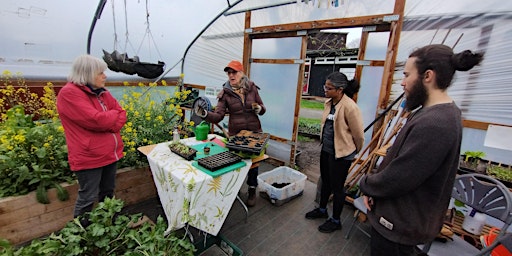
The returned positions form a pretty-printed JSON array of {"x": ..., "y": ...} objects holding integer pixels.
[
  {"x": 149, "y": 70},
  {"x": 120, "y": 62}
]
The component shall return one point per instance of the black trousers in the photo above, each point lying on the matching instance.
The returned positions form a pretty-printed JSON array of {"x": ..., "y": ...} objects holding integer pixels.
[
  {"x": 380, "y": 246},
  {"x": 333, "y": 173}
]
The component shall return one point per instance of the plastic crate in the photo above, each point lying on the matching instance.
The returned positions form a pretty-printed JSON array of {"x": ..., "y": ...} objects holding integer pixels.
[
  {"x": 216, "y": 245},
  {"x": 277, "y": 195}
]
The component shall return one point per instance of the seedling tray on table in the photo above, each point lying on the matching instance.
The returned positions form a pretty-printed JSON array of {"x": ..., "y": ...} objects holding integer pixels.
[
  {"x": 218, "y": 161},
  {"x": 248, "y": 142},
  {"x": 183, "y": 150}
]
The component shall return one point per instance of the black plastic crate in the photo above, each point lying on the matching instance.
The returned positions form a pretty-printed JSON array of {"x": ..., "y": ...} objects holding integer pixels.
[{"x": 225, "y": 246}]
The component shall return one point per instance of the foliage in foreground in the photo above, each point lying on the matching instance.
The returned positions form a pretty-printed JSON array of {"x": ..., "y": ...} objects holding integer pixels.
[{"x": 108, "y": 234}]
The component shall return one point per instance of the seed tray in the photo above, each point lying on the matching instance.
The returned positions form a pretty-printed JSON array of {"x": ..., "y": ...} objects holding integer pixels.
[
  {"x": 219, "y": 161},
  {"x": 178, "y": 150},
  {"x": 247, "y": 141}
]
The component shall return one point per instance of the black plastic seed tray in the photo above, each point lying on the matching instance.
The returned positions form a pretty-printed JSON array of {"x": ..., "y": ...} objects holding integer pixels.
[
  {"x": 183, "y": 150},
  {"x": 219, "y": 161},
  {"x": 247, "y": 141}
]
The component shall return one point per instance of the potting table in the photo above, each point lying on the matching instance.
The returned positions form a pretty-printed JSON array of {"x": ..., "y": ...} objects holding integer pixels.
[{"x": 190, "y": 196}]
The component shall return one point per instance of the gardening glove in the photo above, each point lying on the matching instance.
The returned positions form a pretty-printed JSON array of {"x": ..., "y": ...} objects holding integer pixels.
[
  {"x": 257, "y": 108},
  {"x": 201, "y": 112}
]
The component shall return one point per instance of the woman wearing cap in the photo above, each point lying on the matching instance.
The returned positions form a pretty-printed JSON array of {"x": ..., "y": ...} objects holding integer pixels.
[
  {"x": 240, "y": 98},
  {"x": 342, "y": 137}
]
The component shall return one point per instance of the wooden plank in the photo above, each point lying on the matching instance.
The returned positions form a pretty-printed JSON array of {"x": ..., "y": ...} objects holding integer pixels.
[
  {"x": 324, "y": 24},
  {"x": 137, "y": 194},
  {"x": 37, "y": 226}
]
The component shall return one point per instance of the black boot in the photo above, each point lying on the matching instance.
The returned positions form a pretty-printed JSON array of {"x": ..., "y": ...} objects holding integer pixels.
[{"x": 251, "y": 199}]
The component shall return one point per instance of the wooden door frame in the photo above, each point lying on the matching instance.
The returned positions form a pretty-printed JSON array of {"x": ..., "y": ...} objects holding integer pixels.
[{"x": 391, "y": 22}]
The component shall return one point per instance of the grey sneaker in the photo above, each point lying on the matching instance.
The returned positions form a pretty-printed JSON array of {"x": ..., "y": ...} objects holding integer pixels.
[
  {"x": 317, "y": 214},
  {"x": 329, "y": 226}
]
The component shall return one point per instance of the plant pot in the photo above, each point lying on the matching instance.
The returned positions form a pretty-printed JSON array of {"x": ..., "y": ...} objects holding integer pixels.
[{"x": 472, "y": 164}]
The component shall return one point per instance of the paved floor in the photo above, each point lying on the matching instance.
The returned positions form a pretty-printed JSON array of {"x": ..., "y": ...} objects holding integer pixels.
[{"x": 281, "y": 230}]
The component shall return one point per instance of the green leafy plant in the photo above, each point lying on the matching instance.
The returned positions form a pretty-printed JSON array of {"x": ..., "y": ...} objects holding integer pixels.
[
  {"x": 472, "y": 159},
  {"x": 309, "y": 126},
  {"x": 108, "y": 234},
  {"x": 500, "y": 172},
  {"x": 474, "y": 154},
  {"x": 180, "y": 147},
  {"x": 33, "y": 152},
  {"x": 152, "y": 116}
]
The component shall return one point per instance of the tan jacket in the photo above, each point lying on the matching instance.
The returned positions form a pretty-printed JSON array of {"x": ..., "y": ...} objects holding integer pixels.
[{"x": 348, "y": 126}]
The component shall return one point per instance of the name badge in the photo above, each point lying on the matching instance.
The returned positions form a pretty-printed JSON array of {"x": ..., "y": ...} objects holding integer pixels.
[{"x": 386, "y": 223}]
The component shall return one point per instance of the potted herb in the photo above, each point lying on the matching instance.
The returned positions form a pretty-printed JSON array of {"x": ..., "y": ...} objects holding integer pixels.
[{"x": 472, "y": 161}]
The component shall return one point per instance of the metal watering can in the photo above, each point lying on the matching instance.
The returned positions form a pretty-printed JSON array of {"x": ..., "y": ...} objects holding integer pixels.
[{"x": 202, "y": 130}]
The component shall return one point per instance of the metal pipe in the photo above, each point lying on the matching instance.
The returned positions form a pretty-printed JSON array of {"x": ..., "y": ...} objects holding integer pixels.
[
  {"x": 204, "y": 29},
  {"x": 384, "y": 113},
  {"x": 260, "y": 8},
  {"x": 97, "y": 16}
]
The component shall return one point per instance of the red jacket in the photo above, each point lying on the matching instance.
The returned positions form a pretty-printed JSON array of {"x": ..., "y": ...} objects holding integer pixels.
[{"x": 92, "y": 124}]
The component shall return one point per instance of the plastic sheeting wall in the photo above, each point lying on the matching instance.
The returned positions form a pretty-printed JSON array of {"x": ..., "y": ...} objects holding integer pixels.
[{"x": 483, "y": 93}]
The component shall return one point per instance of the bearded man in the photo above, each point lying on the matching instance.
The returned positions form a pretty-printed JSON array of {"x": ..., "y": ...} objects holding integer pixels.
[{"x": 407, "y": 197}]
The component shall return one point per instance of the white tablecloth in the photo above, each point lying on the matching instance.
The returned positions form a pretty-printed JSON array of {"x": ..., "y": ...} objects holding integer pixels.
[{"x": 191, "y": 196}]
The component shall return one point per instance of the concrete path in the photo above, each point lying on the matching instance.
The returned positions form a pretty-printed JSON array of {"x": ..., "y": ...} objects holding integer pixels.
[{"x": 310, "y": 113}]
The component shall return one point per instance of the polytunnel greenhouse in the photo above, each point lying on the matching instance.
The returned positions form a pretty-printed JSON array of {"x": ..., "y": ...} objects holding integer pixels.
[{"x": 240, "y": 177}]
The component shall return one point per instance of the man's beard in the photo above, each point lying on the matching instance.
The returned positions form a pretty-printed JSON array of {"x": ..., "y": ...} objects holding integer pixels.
[{"x": 417, "y": 95}]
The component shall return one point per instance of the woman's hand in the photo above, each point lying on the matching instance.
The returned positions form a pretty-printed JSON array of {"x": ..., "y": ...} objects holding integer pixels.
[{"x": 256, "y": 107}]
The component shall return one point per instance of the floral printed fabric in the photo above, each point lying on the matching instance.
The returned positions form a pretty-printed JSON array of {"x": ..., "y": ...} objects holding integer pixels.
[{"x": 190, "y": 196}]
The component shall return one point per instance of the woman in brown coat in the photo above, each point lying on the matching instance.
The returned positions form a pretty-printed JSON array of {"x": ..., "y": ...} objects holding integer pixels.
[{"x": 240, "y": 99}]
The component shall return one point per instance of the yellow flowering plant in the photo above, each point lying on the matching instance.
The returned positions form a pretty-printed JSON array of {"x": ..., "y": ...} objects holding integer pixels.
[
  {"x": 33, "y": 153},
  {"x": 152, "y": 114}
]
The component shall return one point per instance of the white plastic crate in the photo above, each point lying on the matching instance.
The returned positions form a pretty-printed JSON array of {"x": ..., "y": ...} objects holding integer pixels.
[{"x": 280, "y": 175}]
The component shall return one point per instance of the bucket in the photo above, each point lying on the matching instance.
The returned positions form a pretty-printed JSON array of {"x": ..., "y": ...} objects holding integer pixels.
[
  {"x": 500, "y": 250},
  {"x": 202, "y": 130},
  {"x": 474, "y": 222}
]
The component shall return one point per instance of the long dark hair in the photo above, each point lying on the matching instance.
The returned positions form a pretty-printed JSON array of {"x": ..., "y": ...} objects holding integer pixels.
[
  {"x": 441, "y": 59},
  {"x": 340, "y": 80}
]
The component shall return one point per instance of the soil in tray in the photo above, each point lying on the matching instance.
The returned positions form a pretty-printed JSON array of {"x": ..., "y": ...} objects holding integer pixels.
[
  {"x": 248, "y": 141},
  {"x": 279, "y": 185}
]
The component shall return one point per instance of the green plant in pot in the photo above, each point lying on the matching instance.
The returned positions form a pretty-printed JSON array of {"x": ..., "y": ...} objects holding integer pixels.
[{"x": 472, "y": 160}]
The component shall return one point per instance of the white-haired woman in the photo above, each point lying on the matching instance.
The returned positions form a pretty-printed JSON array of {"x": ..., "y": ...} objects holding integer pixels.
[{"x": 92, "y": 120}]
